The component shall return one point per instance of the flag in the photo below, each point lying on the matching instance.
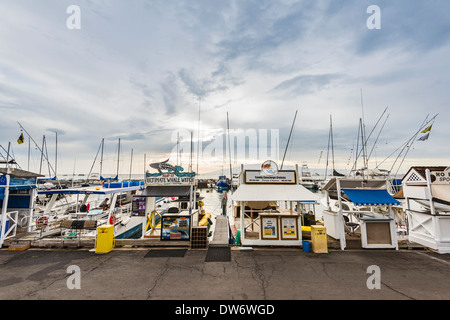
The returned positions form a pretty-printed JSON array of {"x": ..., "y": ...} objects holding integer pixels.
[
  {"x": 425, "y": 137},
  {"x": 21, "y": 139},
  {"x": 426, "y": 130}
]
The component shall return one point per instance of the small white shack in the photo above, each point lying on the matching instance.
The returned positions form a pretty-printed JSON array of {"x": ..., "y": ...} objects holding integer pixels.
[{"x": 269, "y": 207}]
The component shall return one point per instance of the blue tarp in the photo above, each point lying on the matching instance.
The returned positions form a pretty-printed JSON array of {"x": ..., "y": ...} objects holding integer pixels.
[{"x": 370, "y": 197}]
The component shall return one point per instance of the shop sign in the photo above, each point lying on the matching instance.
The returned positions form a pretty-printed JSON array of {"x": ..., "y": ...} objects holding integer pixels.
[
  {"x": 281, "y": 177},
  {"x": 440, "y": 177}
]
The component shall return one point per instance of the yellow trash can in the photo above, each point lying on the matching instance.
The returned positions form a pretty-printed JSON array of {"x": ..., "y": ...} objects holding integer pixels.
[
  {"x": 319, "y": 241},
  {"x": 105, "y": 239}
]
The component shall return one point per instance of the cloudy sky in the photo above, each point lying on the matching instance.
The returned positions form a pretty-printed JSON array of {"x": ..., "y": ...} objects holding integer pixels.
[{"x": 141, "y": 71}]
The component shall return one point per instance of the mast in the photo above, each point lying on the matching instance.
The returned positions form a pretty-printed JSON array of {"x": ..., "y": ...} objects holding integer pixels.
[
  {"x": 289, "y": 138},
  {"x": 118, "y": 157},
  {"x": 101, "y": 157},
  {"x": 42, "y": 154},
  {"x": 332, "y": 142},
  {"x": 198, "y": 135},
  {"x": 131, "y": 162},
  {"x": 56, "y": 152},
  {"x": 229, "y": 151}
]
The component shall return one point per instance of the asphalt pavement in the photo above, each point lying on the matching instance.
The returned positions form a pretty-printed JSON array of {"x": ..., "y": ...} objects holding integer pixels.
[{"x": 263, "y": 274}]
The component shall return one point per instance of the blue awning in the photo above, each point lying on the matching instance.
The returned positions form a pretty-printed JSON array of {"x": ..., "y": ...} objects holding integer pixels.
[{"x": 370, "y": 197}]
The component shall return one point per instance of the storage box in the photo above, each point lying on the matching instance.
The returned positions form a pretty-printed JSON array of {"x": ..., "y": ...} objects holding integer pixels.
[
  {"x": 105, "y": 239},
  {"x": 319, "y": 241}
]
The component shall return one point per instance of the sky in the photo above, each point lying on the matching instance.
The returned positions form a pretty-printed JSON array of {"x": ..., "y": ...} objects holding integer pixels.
[{"x": 146, "y": 72}]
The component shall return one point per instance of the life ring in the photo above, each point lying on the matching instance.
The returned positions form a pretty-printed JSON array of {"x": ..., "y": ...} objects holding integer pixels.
[
  {"x": 41, "y": 221},
  {"x": 112, "y": 219}
]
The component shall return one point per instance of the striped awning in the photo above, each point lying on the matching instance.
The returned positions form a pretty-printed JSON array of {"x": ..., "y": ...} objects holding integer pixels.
[{"x": 370, "y": 197}]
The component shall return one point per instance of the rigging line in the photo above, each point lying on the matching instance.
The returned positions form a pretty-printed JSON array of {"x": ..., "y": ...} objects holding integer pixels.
[
  {"x": 289, "y": 138},
  {"x": 376, "y": 140},
  {"x": 411, "y": 140},
  {"x": 366, "y": 140},
  {"x": 42, "y": 153},
  {"x": 357, "y": 147},
  {"x": 95, "y": 159}
]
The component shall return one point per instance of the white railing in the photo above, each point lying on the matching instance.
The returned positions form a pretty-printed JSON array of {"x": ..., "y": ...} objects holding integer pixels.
[{"x": 12, "y": 217}]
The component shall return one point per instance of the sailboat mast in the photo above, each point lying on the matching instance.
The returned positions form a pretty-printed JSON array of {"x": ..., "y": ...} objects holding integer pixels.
[
  {"x": 332, "y": 142},
  {"x": 101, "y": 157},
  {"x": 42, "y": 154},
  {"x": 229, "y": 150},
  {"x": 289, "y": 138},
  {"x": 56, "y": 152},
  {"x": 118, "y": 157},
  {"x": 131, "y": 162}
]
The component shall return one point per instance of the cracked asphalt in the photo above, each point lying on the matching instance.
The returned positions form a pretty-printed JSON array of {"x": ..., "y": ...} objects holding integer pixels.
[{"x": 261, "y": 274}]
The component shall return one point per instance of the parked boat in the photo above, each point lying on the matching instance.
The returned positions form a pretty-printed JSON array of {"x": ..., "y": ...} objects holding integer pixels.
[{"x": 116, "y": 212}]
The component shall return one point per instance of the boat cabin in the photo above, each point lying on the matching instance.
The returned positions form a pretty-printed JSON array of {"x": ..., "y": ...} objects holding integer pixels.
[{"x": 18, "y": 189}]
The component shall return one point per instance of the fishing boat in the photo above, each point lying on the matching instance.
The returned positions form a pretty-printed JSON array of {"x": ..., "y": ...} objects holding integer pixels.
[
  {"x": 309, "y": 181},
  {"x": 18, "y": 190},
  {"x": 223, "y": 184},
  {"x": 117, "y": 212},
  {"x": 427, "y": 205},
  {"x": 363, "y": 208},
  {"x": 180, "y": 212}
]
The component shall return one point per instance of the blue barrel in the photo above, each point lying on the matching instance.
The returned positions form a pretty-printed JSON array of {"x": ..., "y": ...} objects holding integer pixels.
[{"x": 306, "y": 245}]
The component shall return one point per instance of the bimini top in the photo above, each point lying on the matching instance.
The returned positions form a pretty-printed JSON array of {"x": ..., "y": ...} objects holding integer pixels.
[
  {"x": 90, "y": 190},
  {"x": 370, "y": 197},
  {"x": 266, "y": 192},
  {"x": 167, "y": 191}
]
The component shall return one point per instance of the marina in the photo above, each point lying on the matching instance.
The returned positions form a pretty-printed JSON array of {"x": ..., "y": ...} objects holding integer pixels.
[{"x": 266, "y": 209}]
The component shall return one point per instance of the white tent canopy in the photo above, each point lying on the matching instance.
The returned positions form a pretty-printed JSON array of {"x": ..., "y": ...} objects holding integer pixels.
[{"x": 265, "y": 192}]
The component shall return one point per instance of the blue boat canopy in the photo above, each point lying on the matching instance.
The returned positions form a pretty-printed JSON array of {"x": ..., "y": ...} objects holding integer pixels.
[{"x": 370, "y": 197}]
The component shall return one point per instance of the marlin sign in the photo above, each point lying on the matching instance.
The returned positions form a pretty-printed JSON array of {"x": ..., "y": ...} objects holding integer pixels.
[{"x": 173, "y": 175}]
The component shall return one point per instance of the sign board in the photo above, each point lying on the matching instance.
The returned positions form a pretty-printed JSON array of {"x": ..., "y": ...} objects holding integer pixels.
[
  {"x": 281, "y": 177},
  {"x": 289, "y": 228},
  {"x": 440, "y": 177},
  {"x": 169, "y": 179},
  {"x": 269, "y": 228},
  {"x": 138, "y": 206},
  {"x": 175, "y": 227},
  {"x": 173, "y": 175},
  {"x": 269, "y": 168}
]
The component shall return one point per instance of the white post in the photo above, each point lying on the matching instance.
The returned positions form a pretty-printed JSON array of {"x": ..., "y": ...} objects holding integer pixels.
[
  {"x": 340, "y": 215},
  {"x": 435, "y": 220},
  {"x": 429, "y": 194},
  {"x": 5, "y": 208},
  {"x": 31, "y": 208}
]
